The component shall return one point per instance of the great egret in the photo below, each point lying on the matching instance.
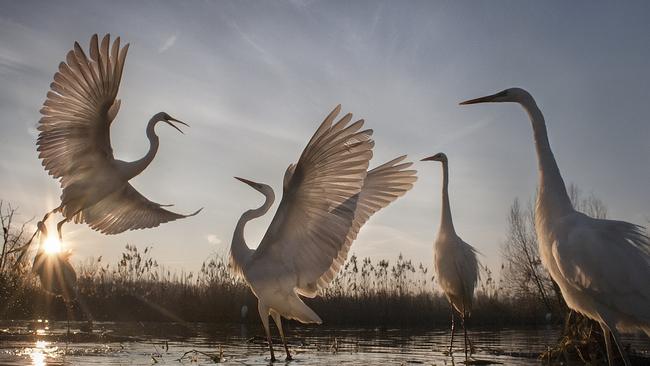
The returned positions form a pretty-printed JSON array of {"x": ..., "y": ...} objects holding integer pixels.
[
  {"x": 56, "y": 274},
  {"x": 601, "y": 266},
  {"x": 328, "y": 195},
  {"x": 456, "y": 263},
  {"x": 74, "y": 143}
]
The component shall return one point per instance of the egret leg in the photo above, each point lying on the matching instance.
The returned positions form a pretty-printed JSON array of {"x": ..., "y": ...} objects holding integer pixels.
[
  {"x": 608, "y": 344},
  {"x": 451, "y": 342},
  {"x": 619, "y": 345},
  {"x": 278, "y": 322},
  {"x": 462, "y": 322},
  {"x": 264, "y": 315}
]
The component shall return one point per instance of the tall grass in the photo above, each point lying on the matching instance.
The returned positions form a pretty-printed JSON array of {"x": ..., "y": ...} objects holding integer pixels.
[{"x": 379, "y": 293}]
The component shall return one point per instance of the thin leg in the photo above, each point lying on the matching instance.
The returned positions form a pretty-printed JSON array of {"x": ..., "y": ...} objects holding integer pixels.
[
  {"x": 451, "y": 343},
  {"x": 58, "y": 228},
  {"x": 462, "y": 322},
  {"x": 264, "y": 315},
  {"x": 608, "y": 344},
  {"x": 619, "y": 344},
  {"x": 278, "y": 322},
  {"x": 68, "y": 307}
]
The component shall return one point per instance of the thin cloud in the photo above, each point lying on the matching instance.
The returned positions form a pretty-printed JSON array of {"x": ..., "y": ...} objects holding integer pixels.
[
  {"x": 213, "y": 239},
  {"x": 169, "y": 42}
]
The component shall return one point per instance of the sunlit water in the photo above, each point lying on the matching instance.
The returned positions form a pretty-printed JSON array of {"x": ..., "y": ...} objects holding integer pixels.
[{"x": 46, "y": 343}]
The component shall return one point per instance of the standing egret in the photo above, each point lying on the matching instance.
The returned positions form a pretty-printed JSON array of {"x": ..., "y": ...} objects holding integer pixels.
[
  {"x": 52, "y": 265},
  {"x": 601, "y": 266},
  {"x": 56, "y": 274},
  {"x": 74, "y": 143},
  {"x": 456, "y": 264},
  {"x": 327, "y": 196}
]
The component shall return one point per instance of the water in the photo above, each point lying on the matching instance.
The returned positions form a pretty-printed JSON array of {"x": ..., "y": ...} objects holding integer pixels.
[{"x": 44, "y": 343}]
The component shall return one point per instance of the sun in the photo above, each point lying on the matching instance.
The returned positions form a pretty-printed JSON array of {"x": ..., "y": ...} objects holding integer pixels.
[{"x": 52, "y": 245}]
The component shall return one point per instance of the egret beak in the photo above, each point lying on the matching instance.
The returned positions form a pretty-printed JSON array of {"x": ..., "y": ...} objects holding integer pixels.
[
  {"x": 430, "y": 158},
  {"x": 254, "y": 185},
  {"x": 171, "y": 119},
  {"x": 486, "y": 99}
]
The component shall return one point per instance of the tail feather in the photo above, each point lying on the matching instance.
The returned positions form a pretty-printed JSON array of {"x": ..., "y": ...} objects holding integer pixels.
[{"x": 302, "y": 313}]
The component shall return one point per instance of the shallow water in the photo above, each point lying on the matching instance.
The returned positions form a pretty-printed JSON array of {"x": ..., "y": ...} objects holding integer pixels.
[{"x": 46, "y": 343}]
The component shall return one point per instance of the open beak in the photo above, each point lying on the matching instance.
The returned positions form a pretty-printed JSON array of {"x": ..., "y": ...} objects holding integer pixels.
[
  {"x": 170, "y": 120},
  {"x": 486, "y": 99},
  {"x": 430, "y": 158}
]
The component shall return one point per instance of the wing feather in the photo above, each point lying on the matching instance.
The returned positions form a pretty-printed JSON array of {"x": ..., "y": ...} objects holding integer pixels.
[
  {"x": 126, "y": 209},
  {"x": 609, "y": 261},
  {"x": 74, "y": 130},
  {"x": 382, "y": 185},
  {"x": 319, "y": 200}
]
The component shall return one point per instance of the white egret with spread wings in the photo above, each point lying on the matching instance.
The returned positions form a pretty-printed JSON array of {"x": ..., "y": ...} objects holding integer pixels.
[
  {"x": 327, "y": 196},
  {"x": 74, "y": 144},
  {"x": 455, "y": 260},
  {"x": 602, "y": 266}
]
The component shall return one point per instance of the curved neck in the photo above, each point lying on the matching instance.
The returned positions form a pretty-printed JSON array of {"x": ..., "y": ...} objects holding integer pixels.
[
  {"x": 445, "y": 218},
  {"x": 136, "y": 167},
  {"x": 552, "y": 192},
  {"x": 239, "y": 250}
]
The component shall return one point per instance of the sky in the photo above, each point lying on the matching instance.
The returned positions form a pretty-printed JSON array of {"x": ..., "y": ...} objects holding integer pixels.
[{"x": 255, "y": 79}]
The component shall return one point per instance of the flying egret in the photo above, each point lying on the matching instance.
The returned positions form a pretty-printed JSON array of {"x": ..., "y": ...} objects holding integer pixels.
[
  {"x": 327, "y": 196},
  {"x": 456, "y": 264},
  {"x": 74, "y": 143},
  {"x": 601, "y": 266}
]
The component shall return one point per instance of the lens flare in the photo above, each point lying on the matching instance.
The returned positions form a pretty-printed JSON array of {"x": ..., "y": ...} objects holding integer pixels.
[{"x": 52, "y": 245}]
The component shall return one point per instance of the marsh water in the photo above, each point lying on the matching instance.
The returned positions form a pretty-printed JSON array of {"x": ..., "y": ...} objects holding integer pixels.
[{"x": 48, "y": 343}]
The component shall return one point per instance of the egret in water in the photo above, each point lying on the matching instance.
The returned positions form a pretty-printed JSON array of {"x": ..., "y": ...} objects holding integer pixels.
[
  {"x": 327, "y": 196},
  {"x": 455, "y": 260},
  {"x": 74, "y": 143},
  {"x": 601, "y": 266},
  {"x": 52, "y": 265},
  {"x": 53, "y": 268}
]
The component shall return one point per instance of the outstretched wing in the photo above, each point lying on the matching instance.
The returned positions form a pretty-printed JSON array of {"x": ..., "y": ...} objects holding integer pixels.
[
  {"x": 74, "y": 140},
  {"x": 607, "y": 260},
  {"x": 319, "y": 200},
  {"x": 383, "y": 185},
  {"x": 126, "y": 209}
]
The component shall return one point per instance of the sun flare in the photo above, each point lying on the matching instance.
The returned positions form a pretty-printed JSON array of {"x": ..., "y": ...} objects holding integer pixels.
[{"x": 52, "y": 245}]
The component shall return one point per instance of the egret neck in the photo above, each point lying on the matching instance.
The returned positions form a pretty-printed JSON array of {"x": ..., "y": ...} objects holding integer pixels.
[
  {"x": 446, "y": 222},
  {"x": 239, "y": 249},
  {"x": 134, "y": 168},
  {"x": 552, "y": 197}
]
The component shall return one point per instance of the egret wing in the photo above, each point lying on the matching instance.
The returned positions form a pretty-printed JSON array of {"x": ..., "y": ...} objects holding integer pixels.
[
  {"x": 467, "y": 269},
  {"x": 608, "y": 260},
  {"x": 319, "y": 201},
  {"x": 126, "y": 209},
  {"x": 74, "y": 139},
  {"x": 383, "y": 185}
]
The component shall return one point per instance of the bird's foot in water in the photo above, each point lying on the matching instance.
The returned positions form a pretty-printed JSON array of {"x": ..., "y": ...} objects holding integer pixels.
[
  {"x": 289, "y": 358},
  {"x": 273, "y": 358}
]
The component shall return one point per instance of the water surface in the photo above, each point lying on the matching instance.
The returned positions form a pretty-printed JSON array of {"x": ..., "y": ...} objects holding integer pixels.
[{"x": 47, "y": 343}]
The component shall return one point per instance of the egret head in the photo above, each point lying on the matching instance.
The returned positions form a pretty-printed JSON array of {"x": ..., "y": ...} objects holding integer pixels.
[
  {"x": 164, "y": 117},
  {"x": 441, "y": 157},
  {"x": 260, "y": 187},
  {"x": 513, "y": 95}
]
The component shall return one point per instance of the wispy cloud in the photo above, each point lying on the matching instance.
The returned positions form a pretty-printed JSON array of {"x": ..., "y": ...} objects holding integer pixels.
[
  {"x": 213, "y": 239},
  {"x": 169, "y": 42}
]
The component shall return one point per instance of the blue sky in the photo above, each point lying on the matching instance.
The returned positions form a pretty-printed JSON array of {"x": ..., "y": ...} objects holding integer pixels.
[{"x": 254, "y": 80}]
